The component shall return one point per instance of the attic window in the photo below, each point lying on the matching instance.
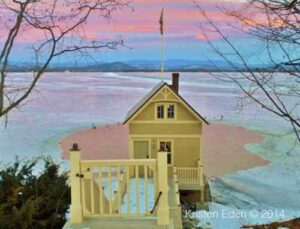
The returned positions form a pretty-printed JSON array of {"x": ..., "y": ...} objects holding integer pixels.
[
  {"x": 171, "y": 111},
  {"x": 160, "y": 111},
  {"x": 165, "y": 111}
]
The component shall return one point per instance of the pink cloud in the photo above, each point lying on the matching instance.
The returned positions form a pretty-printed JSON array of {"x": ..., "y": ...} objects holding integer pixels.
[
  {"x": 200, "y": 37},
  {"x": 181, "y": 21}
]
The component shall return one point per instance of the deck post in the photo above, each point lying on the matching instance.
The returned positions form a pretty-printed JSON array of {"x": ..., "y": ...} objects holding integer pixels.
[
  {"x": 200, "y": 173},
  {"x": 76, "y": 207},
  {"x": 163, "y": 205},
  {"x": 201, "y": 183}
]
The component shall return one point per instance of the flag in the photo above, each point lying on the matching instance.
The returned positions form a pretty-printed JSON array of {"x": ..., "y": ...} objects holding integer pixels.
[{"x": 161, "y": 22}]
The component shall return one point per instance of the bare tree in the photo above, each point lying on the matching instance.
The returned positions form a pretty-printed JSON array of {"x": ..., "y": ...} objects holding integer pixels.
[
  {"x": 275, "y": 24},
  {"x": 60, "y": 28}
]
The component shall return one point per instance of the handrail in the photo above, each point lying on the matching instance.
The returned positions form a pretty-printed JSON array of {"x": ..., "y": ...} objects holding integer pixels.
[
  {"x": 156, "y": 202},
  {"x": 187, "y": 168},
  {"x": 95, "y": 163}
]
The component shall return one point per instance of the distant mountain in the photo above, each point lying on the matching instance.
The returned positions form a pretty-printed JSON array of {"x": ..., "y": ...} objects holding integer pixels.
[
  {"x": 102, "y": 67},
  {"x": 140, "y": 66},
  {"x": 176, "y": 64}
]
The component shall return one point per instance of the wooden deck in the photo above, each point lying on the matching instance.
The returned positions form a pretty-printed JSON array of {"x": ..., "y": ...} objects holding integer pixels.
[
  {"x": 134, "y": 222},
  {"x": 99, "y": 187},
  {"x": 114, "y": 193},
  {"x": 148, "y": 222}
]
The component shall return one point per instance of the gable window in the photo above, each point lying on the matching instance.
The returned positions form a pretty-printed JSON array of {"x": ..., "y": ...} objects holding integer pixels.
[
  {"x": 160, "y": 111},
  {"x": 165, "y": 111},
  {"x": 171, "y": 111}
]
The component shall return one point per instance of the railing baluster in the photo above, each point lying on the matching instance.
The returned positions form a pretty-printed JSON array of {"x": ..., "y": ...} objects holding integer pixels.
[
  {"x": 101, "y": 189},
  {"x": 137, "y": 189},
  {"x": 83, "y": 197},
  {"x": 187, "y": 176},
  {"x": 179, "y": 173},
  {"x": 119, "y": 189},
  {"x": 128, "y": 189},
  {"x": 92, "y": 192},
  {"x": 194, "y": 176},
  {"x": 110, "y": 189},
  {"x": 146, "y": 187},
  {"x": 155, "y": 182}
]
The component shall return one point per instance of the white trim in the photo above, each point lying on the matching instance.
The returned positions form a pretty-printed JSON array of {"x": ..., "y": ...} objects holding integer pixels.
[
  {"x": 165, "y": 100},
  {"x": 166, "y": 121},
  {"x": 165, "y": 136}
]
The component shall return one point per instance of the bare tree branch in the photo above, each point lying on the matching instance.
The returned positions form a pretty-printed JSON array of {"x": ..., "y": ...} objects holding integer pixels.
[
  {"x": 61, "y": 32},
  {"x": 279, "y": 31}
]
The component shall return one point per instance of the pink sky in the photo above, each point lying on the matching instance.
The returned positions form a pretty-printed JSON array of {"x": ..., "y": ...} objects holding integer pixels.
[
  {"x": 140, "y": 28},
  {"x": 180, "y": 17}
]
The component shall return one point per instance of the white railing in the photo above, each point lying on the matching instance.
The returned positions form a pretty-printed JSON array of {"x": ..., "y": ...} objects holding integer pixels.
[
  {"x": 109, "y": 187},
  {"x": 108, "y": 184},
  {"x": 187, "y": 175},
  {"x": 190, "y": 175}
]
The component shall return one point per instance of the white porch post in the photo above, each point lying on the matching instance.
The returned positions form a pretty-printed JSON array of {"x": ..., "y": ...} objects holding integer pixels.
[
  {"x": 163, "y": 205},
  {"x": 76, "y": 207},
  {"x": 200, "y": 173},
  {"x": 201, "y": 182}
]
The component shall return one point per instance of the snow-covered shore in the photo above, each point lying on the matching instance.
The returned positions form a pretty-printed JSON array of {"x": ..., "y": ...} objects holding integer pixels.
[{"x": 259, "y": 195}]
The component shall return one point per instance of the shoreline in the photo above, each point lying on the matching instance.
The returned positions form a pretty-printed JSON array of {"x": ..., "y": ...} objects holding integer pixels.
[
  {"x": 223, "y": 146},
  {"x": 225, "y": 151}
]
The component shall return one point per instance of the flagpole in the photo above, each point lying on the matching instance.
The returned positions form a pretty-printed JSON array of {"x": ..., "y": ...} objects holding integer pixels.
[
  {"x": 162, "y": 56},
  {"x": 161, "y": 22}
]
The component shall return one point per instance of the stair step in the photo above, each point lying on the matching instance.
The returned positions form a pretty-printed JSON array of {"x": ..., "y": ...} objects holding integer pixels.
[{"x": 117, "y": 223}]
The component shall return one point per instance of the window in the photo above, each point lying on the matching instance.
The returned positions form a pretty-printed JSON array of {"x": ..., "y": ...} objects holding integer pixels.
[
  {"x": 166, "y": 146},
  {"x": 171, "y": 111},
  {"x": 165, "y": 111},
  {"x": 160, "y": 111}
]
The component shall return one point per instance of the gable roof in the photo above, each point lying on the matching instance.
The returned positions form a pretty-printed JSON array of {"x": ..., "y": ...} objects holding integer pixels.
[{"x": 150, "y": 95}]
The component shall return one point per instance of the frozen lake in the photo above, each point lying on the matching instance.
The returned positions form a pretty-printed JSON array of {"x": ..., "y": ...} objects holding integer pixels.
[{"x": 66, "y": 102}]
